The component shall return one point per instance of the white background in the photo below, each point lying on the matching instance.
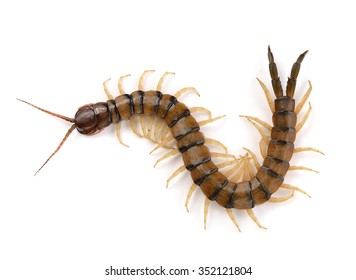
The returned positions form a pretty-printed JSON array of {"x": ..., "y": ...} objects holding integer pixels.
[{"x": 97, "y": 203}]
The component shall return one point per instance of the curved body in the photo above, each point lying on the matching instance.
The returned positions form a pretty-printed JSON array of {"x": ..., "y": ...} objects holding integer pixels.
[
  {"x": 190, "y": 143},
  {"x": 93, "y": 118}
]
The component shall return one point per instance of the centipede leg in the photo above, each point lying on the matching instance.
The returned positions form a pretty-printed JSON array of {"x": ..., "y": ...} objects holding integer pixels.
[
  {"x": 247, "y": 172},
  {"x": 200, "y": 110},
  {"x": 158, "y": 131},
  {"x": 216, "y": 143},
  {"x": 118, "y": 127},
  {"x": 202, "y": 123},
  {"x": 304, "y": 99},
  {"x": 119, "y": 84},
  {"x": 175, "y": 174},
  {"x": 161, "y": 80},
  {"x": 235, "y": 169},
  {"x": 263, "y": 144},
  {"x": 257, "y": 120},
  {"x": 167, "y": 155},
  {"x": 307, "y": 149},
  {"x": 281, "y": 198},
  {"x": 304, "y": 119},
  {"x": 142, "y": 78},
  {"x": 254, "y": 158},
  {"x": 151, "y": 122},
  {"x": 268, "y": 95},
  {"x": 290, "y": 187},
  {"x": 253, "y": 217},
  {"x": 179, "y": 93},
  {"x": 133, "y": 125},
  {"x": 222, "y": 155},
  {"x": 292, "y": 168},
  {"x": 206, "y": 209},
  {"x": 232, "y": 217},
  {"x": 192, "y": 189},
  {"x": 147, "y": 127},
  {"x": 107, "y": 92},
  {"x": 143, "y": 126},
  {"x": 235, "y": 161},
  {"x": 164, "y": 141}
]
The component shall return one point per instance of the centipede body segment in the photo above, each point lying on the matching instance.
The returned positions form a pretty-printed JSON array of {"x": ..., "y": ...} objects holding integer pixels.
[{"x": 251, "y": 189}]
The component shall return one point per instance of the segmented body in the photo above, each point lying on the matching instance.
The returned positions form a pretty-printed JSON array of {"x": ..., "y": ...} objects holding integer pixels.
[{"x": 190, "y": 141}]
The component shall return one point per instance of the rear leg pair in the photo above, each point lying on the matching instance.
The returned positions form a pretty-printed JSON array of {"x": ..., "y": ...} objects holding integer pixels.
[{"x": 264, "y": 128}]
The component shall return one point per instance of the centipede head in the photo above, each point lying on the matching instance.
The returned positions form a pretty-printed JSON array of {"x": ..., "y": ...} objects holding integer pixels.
[{"x": 90, "y": 119}]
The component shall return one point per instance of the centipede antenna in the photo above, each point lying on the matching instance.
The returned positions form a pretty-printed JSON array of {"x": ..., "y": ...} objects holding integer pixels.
[
  {"x": 48, "y": 112},
  {"x": 58, "y": 116},
  {"x": 59, "y": 146}
]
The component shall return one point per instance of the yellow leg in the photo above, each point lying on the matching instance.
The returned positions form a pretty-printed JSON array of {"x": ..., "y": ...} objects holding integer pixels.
[
  {"x": 161, "y": 80},
  {"x": 307, "y": 149},
  {"x": 143, "y": 126},
  {"x": 163, "y": 143},
  {"x": 166, "y": 134},
  {"x": 175, "y": 174},
  {"x": 118, "y": 127},
  {"x": 254, "y": 158},
  {"x": 257, "y": 120},
  {"x": 206, "y": 208},
  {"x": 304, "y": 99},
  {"x": 119, "y": 84},
  {"x": 167, "y": 155},
  {"x": 259, "y": 129},
  {"x": 304, "y": 119},
  {"x": 290, "y": 187},
  {"x": 140, "y": 82},
  {"x": 107, "y": 92},
  {"x": 268, "y": 95},
  {"x": 158, "y": 131},
  {"x": 253, "y": 217},
  {"x": 202, "y": 123},
  {"x": 281, "y": 198},
  {"x": 263, "y": 145},
  {"x": 133, "y": 126},
  {"x": 291, "y": 168},
  {"x": 192, "y": 189},
  {"x": 221, "y": 155},
  {"x": 179, "y": 93},
  {"x": 150, "y": 128},
  {"x": 228, "y": 163},
  {"x": 235, "y": 169},
  {"x": 216, "y": 143},
  {"x": 200, "y": 110},
  {"x": 241, "y": 171},
  {"x": 232, "y": 217},
  {"x": 247, "y": 170}
]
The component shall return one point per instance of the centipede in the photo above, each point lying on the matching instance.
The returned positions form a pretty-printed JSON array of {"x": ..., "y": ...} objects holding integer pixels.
[{"x": 170, "y": 124}]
